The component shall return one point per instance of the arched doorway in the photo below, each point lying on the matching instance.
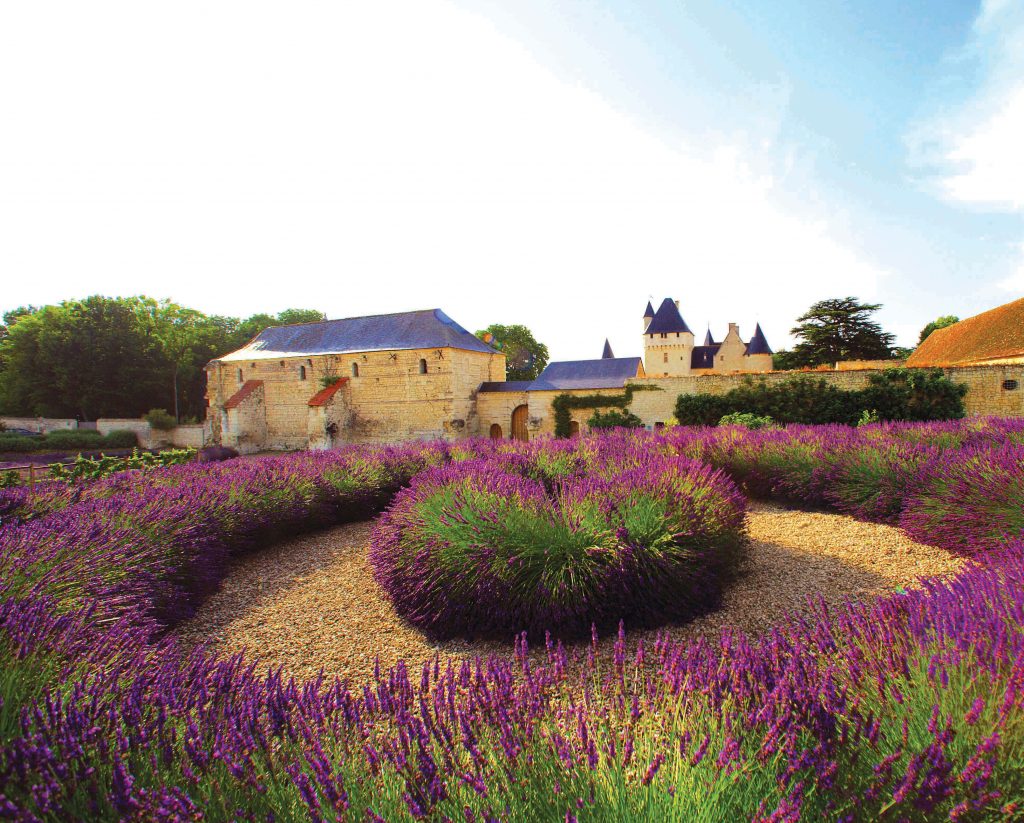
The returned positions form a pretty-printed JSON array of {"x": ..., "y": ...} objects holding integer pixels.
[
  {"x": 519, "y": 423},
  {"x": 495, "y": 431},
  {"x": 574, "y": 428}
]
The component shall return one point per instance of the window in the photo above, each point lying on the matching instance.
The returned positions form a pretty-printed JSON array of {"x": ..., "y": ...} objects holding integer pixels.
[
  {"x": 664, "y": 335},
  {"x": 355, "y": 370},
  {"x": 240, "y": 378},
  {"x": 664, "y": 357},
  {"x": 423, "y": 366},
  {"x": 1010, "y": 385},
  {"x": 302, "y": 372}
]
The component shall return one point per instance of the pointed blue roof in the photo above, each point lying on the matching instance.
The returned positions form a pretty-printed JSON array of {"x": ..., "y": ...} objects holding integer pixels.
[
  {"x": 667, "y": 319},
  {"x": 649, "y": 311},
  {"x": 607, "y": 353},
  {"x": 708, "y": 339},
  {"x": 757, "y": 344}
]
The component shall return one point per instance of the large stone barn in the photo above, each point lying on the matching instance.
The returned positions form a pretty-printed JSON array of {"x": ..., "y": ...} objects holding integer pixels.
[{"x": 383, "y": 378}]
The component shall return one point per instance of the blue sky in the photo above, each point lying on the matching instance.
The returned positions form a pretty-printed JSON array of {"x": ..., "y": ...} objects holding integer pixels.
[{"x": 550, "y": 163}]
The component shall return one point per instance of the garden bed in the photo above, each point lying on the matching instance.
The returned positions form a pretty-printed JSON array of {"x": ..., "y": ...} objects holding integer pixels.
[{"x": 311, "y": 603}]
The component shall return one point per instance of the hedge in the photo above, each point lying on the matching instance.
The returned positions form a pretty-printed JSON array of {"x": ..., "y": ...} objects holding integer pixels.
[{"x": 895, "y": 394}]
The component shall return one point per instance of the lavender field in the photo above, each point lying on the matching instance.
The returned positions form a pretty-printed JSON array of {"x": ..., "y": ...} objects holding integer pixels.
[{"x": 904, "y": 708}]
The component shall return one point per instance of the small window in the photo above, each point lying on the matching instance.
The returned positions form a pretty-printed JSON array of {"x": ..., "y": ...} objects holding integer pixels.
[
  {"x": 664, "y": 335},
  {"x": 677, "y": 334},
  {"x": 664, "y": 357},
  {"x": 423, "y": 366},
  {"x": 1010, "y": 385},
  {"x": 355, "y": 370},
  {"x": 302, "y": 372},
  {"x": 240, "y": 378}
]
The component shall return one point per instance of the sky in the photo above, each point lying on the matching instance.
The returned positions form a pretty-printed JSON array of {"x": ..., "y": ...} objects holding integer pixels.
[{"x": 547, "y": 162}]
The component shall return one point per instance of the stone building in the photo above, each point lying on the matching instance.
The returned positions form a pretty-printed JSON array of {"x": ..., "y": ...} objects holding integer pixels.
[
  {"x": 669, "y": 349},
  {"x": 420, "y": 375},
  {"x": 375, "y": 379}
]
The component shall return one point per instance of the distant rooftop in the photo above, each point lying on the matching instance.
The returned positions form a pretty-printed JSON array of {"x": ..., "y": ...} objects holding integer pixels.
[
  {"x": 758, "y": 344},
  {"x": 997, "y": 334},
  {"x": 606, "y": 373},
  {"x": 424, "y": 329}
]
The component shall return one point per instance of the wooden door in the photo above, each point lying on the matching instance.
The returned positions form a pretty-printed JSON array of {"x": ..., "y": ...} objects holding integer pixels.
[
  {"x": 519, "y": 423},
  {"x": 574, "y": 428},
  {"x": 495, "y": 431}
]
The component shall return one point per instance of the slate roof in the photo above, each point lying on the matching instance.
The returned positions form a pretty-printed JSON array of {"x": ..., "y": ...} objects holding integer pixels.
[
  {"x": 708, "y": 339},
  {"x": 992, "y": 335},
  {"x": 425, "y": 329},
  {"x": 606, "y": 373},
  {"x": 506, "y": 385},
  {"x": 667, "y": 319},
  {"x": 649, "y": 311},
  {"x": 607, "y": 353},
  {"x": 703, "y": 357},
  {"x": 758, "y": 344}
]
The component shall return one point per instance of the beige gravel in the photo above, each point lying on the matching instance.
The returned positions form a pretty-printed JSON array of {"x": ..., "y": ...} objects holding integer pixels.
[{"x": 312, "y": 603}]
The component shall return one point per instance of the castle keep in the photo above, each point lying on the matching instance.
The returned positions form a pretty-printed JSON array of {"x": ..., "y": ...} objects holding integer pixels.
[{"x": 420, "y": 375}]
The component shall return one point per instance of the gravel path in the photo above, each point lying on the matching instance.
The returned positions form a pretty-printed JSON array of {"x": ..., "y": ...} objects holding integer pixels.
[{"x": 312, "y": 603}]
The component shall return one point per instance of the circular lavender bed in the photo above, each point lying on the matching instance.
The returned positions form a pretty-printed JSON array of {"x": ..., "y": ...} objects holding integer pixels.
[{"x": 485, "y": 548}]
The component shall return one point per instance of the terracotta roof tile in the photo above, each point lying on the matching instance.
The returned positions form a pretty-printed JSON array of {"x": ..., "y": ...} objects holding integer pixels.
[
  {"x": 248, "y": 387},
  {"x": 322, "y": 397},
  {"x": 991, "y": 335}
]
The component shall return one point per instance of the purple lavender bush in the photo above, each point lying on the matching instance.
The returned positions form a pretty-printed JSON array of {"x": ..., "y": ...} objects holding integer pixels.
[
  {"x": 907, "y": 708},
  {"x": 480, "y": 548}
]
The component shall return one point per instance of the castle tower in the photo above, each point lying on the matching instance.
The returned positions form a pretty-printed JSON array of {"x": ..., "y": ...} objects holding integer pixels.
[
  {"x": 648, "y": 315},
  {"x": 668, "y": 342}
]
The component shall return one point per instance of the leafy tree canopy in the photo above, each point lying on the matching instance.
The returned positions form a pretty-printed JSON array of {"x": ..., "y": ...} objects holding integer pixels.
[
  {"x": 117, "y": 357},
  {"x": 840, "y": 329},
  {"x": 525, "y": 357},
  {"x": 938, "y": 323}
]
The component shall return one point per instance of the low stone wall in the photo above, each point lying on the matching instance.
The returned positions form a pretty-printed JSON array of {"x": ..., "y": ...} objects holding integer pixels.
[
  {"x": 990, "y": 389},
  {"x": 39, "y": 424}
]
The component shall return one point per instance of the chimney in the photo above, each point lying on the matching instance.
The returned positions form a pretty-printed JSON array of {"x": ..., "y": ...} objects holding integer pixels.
[{"x": 733, "y": 327}]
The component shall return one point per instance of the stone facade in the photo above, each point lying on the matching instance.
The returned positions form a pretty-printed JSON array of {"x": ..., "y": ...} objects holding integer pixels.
[{"x": 387, "y": 396}]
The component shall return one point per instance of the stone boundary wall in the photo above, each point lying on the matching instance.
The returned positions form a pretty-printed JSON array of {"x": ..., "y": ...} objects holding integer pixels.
[
  {"x": 39, "y": 424},
  {"x": 193, "y": 435},
  {"x": 986, "y": 394}
]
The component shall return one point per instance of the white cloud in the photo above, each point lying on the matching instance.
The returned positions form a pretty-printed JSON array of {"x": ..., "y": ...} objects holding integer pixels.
[
  {"x": 980, "y": 141},
  {"x": 372, "y": 157}
]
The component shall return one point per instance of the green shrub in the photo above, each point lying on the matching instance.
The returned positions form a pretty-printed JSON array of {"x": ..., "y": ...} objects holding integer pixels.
[
  {"x": 160, "y": 419},
  {"x": 18, "y": 443},
  {"x": 747, "y": 420},
  {"x": 71, "y": 439},
  {"x": 121, "y": 439},
  {"x": 615, "y": 419}
]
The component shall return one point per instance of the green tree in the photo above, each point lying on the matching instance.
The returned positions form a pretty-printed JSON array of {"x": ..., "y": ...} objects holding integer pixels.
[
  {"x": 840, "y": 329},
  {"x": 784, "y": 360},
  {"x": 938, "y": 323},
  {"x": 525, "y": 357},
  {"x": 91, "y": 358}
]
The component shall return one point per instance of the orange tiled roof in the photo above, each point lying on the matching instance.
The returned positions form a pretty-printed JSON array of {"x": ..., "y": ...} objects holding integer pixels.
[
  {"x": 991, "y": 335},
  {"x": 324, "y": 395},
  {"x": 248, "y": 387}
]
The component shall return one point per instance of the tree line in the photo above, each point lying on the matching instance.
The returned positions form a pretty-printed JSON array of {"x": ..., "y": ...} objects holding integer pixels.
[{"x": 118, "y": 356}]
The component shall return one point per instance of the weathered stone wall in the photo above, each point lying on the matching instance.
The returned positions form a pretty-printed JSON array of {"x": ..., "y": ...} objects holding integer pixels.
[
  {"x": 668, "y": 353},
  {"x": 39, "y": 424},
  {"x": 985, "y": 396},
  {"x": 497, "y": 407},
  {"x": 386, "y": 399}
]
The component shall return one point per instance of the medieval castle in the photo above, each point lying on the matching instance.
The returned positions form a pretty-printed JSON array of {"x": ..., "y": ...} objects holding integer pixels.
[{"x": 420, "y": 375}]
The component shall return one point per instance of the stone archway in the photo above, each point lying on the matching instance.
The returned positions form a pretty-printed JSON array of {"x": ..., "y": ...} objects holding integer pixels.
[
  {"x": 519, "y": 431},
  {"x": 495, "y": 432}
]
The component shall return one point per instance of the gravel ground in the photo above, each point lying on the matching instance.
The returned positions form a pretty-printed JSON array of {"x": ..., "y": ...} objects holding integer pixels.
[{"x": 311, "y": 603}]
